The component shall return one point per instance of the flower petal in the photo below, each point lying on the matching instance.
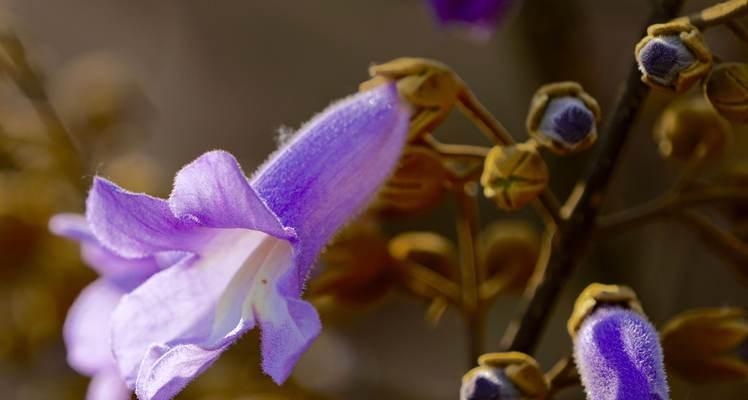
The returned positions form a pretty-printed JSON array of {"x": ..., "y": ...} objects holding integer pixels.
[
  {"x": 166, "y": 371},
  {"x": 214, "y": 191},
  {"x": 125, "y": 273},
  {"x": 71, "y": 226},
  {"x": 107, "y": 385},
  {"x": 289, "y": 326},
  {"x": 186, "y": 305},
  {"x": 86, "y": 327},
  {"x": 136, "y": 225},
  {"x": 619, "y": 357},
  {"x": 332, "y": 167}
]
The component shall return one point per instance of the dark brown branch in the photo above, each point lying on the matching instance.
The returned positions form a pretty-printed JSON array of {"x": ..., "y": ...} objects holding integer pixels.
[{"x": 576, "y": 234}]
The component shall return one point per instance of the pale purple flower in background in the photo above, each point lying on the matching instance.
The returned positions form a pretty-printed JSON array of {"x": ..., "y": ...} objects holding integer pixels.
[
  {"x": 249, "y": 244},
  {"x": 86, "y": 330},
  {"x": 478, "y": 16},
  {"x": 618, "y": 355}
]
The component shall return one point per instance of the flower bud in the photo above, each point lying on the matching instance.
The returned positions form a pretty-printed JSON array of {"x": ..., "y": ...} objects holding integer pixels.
[
  {"x": 673, "y": 56},
  {"x": 418, "y": 182},
  {"x": 563, "y": 117},
  {"x": 425, "y": 248},
  {"x": 702, "y": 345},
  {"x": 430, "y": 87},
  {"x": 616, "y": 349},
  {"x": 504, "y": 376},
  {"x": 514, "y": 175},
  {"x": 727, "y": 89},
  {"x": 690, "y": 129},
  {"x": 349, "y": 278},
  {"x": 511, "y": 251},
  {"x": 484, "y": 383}
]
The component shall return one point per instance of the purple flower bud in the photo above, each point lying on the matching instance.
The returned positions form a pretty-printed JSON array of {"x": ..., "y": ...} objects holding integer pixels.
[
  {"x": 618, "y": 356},
  {"x": 485, "y": 383},
  {"x": 567, "y": 120},
  {"x": 663, "y": 58},
  {"x": 480, "y": 15}
]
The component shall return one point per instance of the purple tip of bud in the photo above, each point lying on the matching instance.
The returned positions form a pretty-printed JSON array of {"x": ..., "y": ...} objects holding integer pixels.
[
  {"x": 483, "y": 13},
  {"x": 567, "y": 119},
  {"x": 488, "y": 384},
  {"x": 662, "y": 58},
  {"x": 618, "y": 355}
]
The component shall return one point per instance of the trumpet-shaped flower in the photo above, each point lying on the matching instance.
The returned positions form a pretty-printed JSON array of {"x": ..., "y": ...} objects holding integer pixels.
[
  {"x": 87, "y": 324},
  {"x": 248, "y": 245},
  {"x": 618, "y": 356}
]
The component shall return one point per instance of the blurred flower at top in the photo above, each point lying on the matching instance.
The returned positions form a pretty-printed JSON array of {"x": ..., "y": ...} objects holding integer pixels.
[
  {"x": 479, "y": 17},
  {"x": 251, "y": 244},
  {"x": 87, "y": 322}
]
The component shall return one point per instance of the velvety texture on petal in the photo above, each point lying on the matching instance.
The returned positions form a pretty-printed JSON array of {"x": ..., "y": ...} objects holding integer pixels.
[
  {"x": 136, "y": 225},
  {"x": 86, "y": 330},
  {"x": 214, "y": 191},
  {"x": 332, "y": 167},
  {"x": 107, "y": 385},
  {"x": 618, "y": 355},
  {"x": 197, "y": 309},
  {"x": 252, "y": 244}
]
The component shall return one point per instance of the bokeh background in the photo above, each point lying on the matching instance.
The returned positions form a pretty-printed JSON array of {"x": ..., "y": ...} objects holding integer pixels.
[{"x": 186, "y": 76}]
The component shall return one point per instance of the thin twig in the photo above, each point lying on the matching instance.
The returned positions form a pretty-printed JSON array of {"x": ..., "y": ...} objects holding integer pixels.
[
  {"x": 31, "y": 85},
  {"x": 668, "y": 204},
  {"x": 472, "y": 273},
  {"x": 718, "y": 14},
  {"x": 740, "y": 30},
  {"x": 577, "y": 233}
]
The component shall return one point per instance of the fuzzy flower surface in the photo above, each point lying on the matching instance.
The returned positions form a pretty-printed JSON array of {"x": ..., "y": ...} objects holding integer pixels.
[
  {"x": 87, "y": 324},
  {"x": 618, "y": 355},
  {"x": 663, "y": 58},
  {"x": 247, "y": 245},
  {"x": 567, "y": 120},
  {"x": 481, "y": 16}
]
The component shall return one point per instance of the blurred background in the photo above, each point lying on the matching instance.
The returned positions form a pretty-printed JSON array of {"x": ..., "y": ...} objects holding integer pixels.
[{"x": 146, "y": 86}]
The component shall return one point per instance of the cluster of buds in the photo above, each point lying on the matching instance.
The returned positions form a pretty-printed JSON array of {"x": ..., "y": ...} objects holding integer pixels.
[{"x": 562, "y": 118}]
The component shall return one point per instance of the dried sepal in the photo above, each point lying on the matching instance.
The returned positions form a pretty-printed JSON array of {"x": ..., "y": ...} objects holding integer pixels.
[
  {"x": 673, "y": 56},
  {"x": 418, "y": 183},
  {"x": 510, "y": 253},
  {"x": 429, "y": 86},
  {"x": 563, "y": 117},
  {"x": 429, "y": 249},
  {"x": 514, "y": 175},
  {"x": 701, "y": 345},
  {"x": 521, "y": 369},
  {"x": 726, "y": 88},
  {"x": 690, "y": 129},
  {"x": 350, "y": 278},
  {"x": 597, "y": 294}
]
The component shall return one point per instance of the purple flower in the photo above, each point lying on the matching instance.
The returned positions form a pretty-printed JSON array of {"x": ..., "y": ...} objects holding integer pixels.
[
  {"x": 663, "y": 58},
  {"x": 86, "y": 330},
  {"x": 568, "y": 121},
  {"x": 248, "y": 245},
  {"x": 618, "y": 356},
  {"x": 488, "y": 384},
  {"x": 480, "y": 16}
]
